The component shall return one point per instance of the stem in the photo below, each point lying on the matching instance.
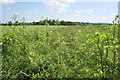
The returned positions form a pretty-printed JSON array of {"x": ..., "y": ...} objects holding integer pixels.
[
  {"x": 47, "y": 34},
  {"x": 100, "y": 54},
  {"x": 114, "y": 58},
  {"x": 114, "y": 61},
  {"x": 25, "y": 74},
  {"x": 119, "y": 45},
  {"x": 113, "y": 34},
  {"x": 107, "y": 49},
  {"x": 106, "y": 55}
]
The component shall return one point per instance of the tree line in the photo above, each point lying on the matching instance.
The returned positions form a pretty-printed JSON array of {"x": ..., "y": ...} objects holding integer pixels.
[
  {"x": 49, "y": 22},
  {"x": 44, "y": 22},
  {"x": 88, "y": 23},
  {"x": 53, "y": 22}
]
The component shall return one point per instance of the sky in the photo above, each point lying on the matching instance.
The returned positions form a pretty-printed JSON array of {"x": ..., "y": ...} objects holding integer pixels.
[{"x": 68, "y": 10}]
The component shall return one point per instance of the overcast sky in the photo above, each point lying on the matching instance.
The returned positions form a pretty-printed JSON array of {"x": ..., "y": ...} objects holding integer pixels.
[{"x": 69, "y": 10}]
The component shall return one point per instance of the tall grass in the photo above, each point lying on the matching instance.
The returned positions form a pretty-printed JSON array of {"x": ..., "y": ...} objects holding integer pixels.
[{"x": 59, "y": 52}]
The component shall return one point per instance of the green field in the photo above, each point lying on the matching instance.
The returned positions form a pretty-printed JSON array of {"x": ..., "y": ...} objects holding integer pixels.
[{"x": 59, "y": 52}]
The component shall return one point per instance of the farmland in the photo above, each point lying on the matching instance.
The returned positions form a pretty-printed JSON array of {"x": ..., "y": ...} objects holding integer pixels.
[{"x": 60, "y": 51}]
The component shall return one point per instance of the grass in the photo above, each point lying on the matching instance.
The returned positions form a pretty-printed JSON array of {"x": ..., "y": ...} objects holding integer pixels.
[{"x": 56, "y": 52}]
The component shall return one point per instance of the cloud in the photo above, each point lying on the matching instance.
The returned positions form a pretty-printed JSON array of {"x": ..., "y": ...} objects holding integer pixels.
[
  {"x": 58, "y": 6},
  {"x": 68, "y": 1},
  {"x": 71, "y": 1},
  {"x": 89, "y": 10},
  {"x": 97, "y": 0},
  {"x": 7, "y": 1},
  {"x": 92, "y": 19},
  {"x": 106, "y": 19},
  {"x": 77, "y": 11},
  {"x": 76, "y": 15}
]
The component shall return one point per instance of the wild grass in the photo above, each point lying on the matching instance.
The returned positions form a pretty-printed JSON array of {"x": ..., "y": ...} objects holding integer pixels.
[{"x": 59, "y": 52}]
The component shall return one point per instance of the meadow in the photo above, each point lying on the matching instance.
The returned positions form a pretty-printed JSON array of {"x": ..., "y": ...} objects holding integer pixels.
[{"x": 60, "y": 51}]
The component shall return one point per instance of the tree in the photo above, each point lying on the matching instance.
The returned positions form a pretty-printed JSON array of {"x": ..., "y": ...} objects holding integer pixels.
[
  {"x": 14, "y": 17},
  {"x": 50, "y": 22},
  {"x": 23, "y": 20},
  {"x": 37, "y": 23},
  {"x": 53, "y": 22},
  {"x": 16, "y": 23},
  {"x": 34, "y": 23},
  {"x": 57, "y": 22},
  {"x": 10, "y": 23},
  {"x": 62, "y": 22}
]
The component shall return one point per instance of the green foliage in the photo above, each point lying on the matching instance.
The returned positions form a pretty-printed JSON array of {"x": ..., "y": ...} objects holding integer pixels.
[
  {"x": 10, "y": 23},
  {"x": 14, "y": 17},
  {"x": 60, "y": 52}
]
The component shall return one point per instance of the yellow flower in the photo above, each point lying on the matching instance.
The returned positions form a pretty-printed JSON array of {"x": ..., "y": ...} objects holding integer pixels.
[
  {"x": 64, "y": 42},
  {"x": 32, "y": 54}
]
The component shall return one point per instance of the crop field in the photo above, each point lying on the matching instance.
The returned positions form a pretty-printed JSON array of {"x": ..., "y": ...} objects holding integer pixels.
[{"x": 60, "y": 51}]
